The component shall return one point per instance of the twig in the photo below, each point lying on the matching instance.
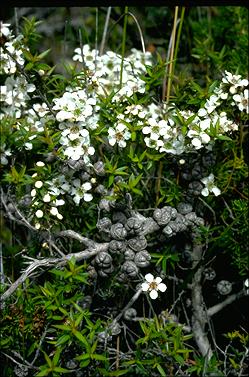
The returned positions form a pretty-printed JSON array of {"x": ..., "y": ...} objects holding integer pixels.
[
  {"x": 117, "y": 352},
  {"x": 39, "y": 346},
  {"x": 23, "y": 221},
  {"x": 158, "y": 181},
  {"x": 26, "y": 363},
  {"x": 72, "y": 234},
  {"x": 123, "y": 46},
  {"x": 130, "y": 303},
  {"x": 49, "y": 262},
  {"x": 102, "y": 45},
  {"x": 16, "y": 20},
  {"x": 242, "y": 361},
  {"x": 210, "y": 208},
  {"x": 96, "y": 36},
  {"x": 139, "y": 30},
  {"x": 167, "y": 64},
  {"x": 221, "y": 305},
  {"x": 172, "y": 47}
]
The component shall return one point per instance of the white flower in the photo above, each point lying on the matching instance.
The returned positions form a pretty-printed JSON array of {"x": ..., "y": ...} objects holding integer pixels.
[
  {"x": 119, "y": 135},
  {"x": 33, "y": 193},
  {"x": 41, "y": 109},
  {"x": 37, "y": 226},
  {"x": 234, "y": 81},
  {"x": 46, "y": 198},
  {"x": 202, "y": 112},
  {"x": 196, "y": 143},
  {"x": 152, "y": 285},
  {"x": 54, "y": 211},
  {"x": 79, "y": 191},
  {"x": 59, "y": 202},
  {"x": 246, "y": 284},
  {"x": 38, "y": 184},
  {"x": 212, "y": 103},
  {"x": 242, "y": 101},
  {"x": 40, "y": 164},
  {"x": 39, "y": 213},
  {"x": 28, "y": 146},
  {"x": 4, "y": 29},
  {"x": 209, "y": 186},
  {"x": 74, "y": 153}
]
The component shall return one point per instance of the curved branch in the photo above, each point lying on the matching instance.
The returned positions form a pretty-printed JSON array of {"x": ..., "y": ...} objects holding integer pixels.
[
  {"x": 48, "y": 262},
  {"x": 221, "y": 305},
  {"x": 72, "y": 234}
]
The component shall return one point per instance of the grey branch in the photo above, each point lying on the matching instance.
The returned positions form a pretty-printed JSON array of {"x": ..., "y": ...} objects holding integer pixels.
[
  {"x": 199, "y": 317},
  {"x": 221, "y": 305},
  {"x": 72, "y": 234},
  {"x": 49, "y": 262}
]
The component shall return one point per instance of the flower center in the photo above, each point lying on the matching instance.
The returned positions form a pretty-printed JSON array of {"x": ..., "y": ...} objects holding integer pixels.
[
  {"x": 153, "y": 285},
  {"x": 119, "y": 136}
]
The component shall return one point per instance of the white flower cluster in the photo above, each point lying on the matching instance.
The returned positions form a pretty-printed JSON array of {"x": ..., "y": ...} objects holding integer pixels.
[
  {"x": 235, "y": 89},
  {"x": 42, "y": 201},
  {"x": 77, "y": 112},
  {"x": 105, "y": 71},
  {"x": 75, "y": 188},
  {"x": 47, "y": 195},
  {"x": 14, "y": 96},
  {"x": 164, "y": 136},
  {"x": 191, "y": 132},
  {"x": 7, "y": 64}
]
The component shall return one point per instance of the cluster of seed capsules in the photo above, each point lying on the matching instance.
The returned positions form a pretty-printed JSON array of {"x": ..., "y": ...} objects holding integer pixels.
[{"x": 127, "y": 251}]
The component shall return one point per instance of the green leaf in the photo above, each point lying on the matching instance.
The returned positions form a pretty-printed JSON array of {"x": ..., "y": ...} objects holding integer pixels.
[
  {"x": 56, "y": 356},
  {"x": 79, "y": 319},
  {"x": 160, "y": 370},
  {"x": 46, "y": 292},
  {"x": 84, "y": 356},
  {"x": 42, "y": 373},
  {"x": 94, "y": 346},
  {"x": 82, "y": 339},
  {"x": 224, "y": 137},
  {"x": 28, "y": 55},
  {"x": 133, "y": 136},
  {"x": 179, "y": 359},
  {"x": 29, "y": 66},
  {"x": 63, "y": 339},
  {"x": 57, "y": 272},
  {"x": 63, "y": 327},
  {"x": 48, "y": 360},
  {"x": 104, "y": 372},
  {"x": 81, "y": 278},
  {"x": 62, "y": 370},
  {"x": 99, "y": 357},
  {"x": 43, "y": 54},
  {"x": 85, "y": 363}
]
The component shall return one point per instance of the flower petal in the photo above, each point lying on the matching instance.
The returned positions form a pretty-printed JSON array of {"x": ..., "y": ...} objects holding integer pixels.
[
  {"x": 205, "y": 192},
  {"x": 162, "y": 287},
  {"x": 149, "y": 278},
  {"x": 145, "y": 286},
  {"x": 153, "y": 294},
  {"x": 158, "y": 280},
  {"x": 216, "y": 191}
]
